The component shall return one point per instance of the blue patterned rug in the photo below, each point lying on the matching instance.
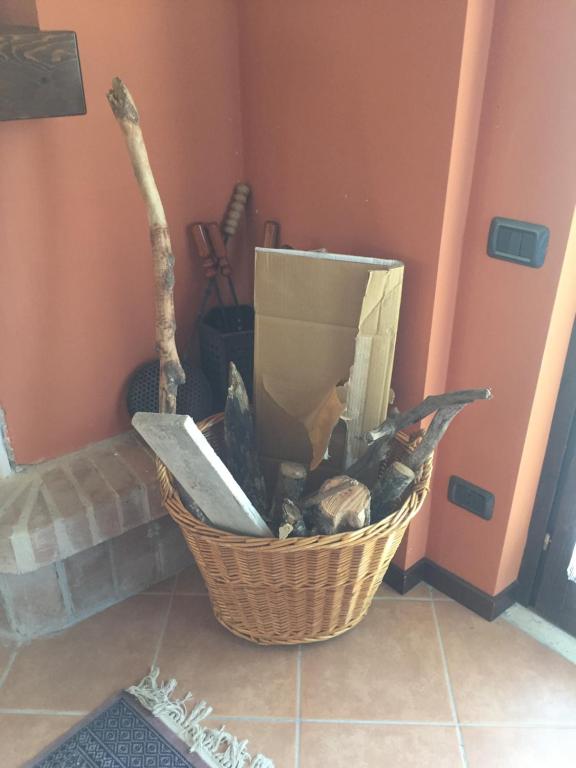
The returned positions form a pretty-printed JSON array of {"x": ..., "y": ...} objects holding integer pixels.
[{"x": 146, "y": 728}]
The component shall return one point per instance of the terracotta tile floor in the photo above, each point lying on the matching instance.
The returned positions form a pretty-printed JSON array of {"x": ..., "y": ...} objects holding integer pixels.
[{"x": 421, "y": 682}]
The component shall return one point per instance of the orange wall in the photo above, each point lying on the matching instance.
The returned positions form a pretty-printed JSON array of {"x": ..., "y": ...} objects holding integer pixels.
[
  {"x": 512, "y": 324},
  {"x": 348, "y": 111},
  {"x": 76, "y": 274},
  {"x": 473, "y": 66}
]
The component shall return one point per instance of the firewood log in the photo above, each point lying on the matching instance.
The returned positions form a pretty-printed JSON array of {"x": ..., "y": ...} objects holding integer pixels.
[
  {"x": 389, "y": 490},
  {"x": 432, "y": 436},
  {"x": 241, "y": 455},
  {"x": 392, "y": 486},
  {"x": 291, "y": 520},
  {"x": 341, "y": 504},
  {"x": 380, "y": 439},
  {"x": 189, "y": 503},
  {"x": 400, "y": 420},
  {"x": 289, "y": 485}
]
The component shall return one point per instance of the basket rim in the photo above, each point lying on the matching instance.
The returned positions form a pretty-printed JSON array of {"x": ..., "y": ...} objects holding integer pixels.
[{"x": 387, "y": 526}]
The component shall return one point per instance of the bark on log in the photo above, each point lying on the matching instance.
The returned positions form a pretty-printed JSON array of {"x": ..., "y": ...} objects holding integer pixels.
[
  {"x": 241, "y": 454},
  {"x": 171, "y": 372},
  {"x": 400, "y": 420},
  {"x": 189, "y": 503},
  {"x": 291, "y": 520},
  {"x": 289, "y": 485},
  {"x": 380, "y": 438},
  {"x": 374, "y": 456},
  {"x": 432, "y": 436},
  {"x": 389, "y": 490},
  {"x": 342, "y": 504}
]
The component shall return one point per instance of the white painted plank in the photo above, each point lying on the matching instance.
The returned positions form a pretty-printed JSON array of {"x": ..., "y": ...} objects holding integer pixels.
[{"x": 188, "y": 455}]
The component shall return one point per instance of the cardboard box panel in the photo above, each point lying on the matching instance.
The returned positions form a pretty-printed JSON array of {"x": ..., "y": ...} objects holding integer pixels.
[{"x": 317, "y": 314}]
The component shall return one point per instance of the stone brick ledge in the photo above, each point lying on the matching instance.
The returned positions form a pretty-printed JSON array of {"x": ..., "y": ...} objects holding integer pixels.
[
  {"x": 61, "y": 594},
  {"x": 56, "y": 510}
]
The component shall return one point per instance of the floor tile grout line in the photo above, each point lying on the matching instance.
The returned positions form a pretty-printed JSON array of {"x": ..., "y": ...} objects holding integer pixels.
[
  {"x": 403, "y": 598},
  {"x": 570, "y": 725},
  {"x": 399, "y": 597},
  {"x": 441, "y": 724},
  {"x": 252, "y": 718},
  {"x": 553, "y": 725},
  {"x": 451, "y": 696},
  {"x": 428, "y": 723},
  {"x": 511, "y": 724},
  {"x": 164, "y": 625},
  {"x": 298, "y": 729},
  {"x": 8, "y": 667},
  {"x": 176, "y": 594},
  {"x": 45, "y": 712}
]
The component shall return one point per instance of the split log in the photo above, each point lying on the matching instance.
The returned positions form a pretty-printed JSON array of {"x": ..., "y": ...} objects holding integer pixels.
[
  {"x": 389, "y": 490},
  {"x": 380, "y": 438},
  {"x": 342, "y": 504},
  {"x": 241, "y": 454},
  {"x": 289, "y": 485},
  {"x": 171, "y": 372},
  {"x": 291, "y": 520}
]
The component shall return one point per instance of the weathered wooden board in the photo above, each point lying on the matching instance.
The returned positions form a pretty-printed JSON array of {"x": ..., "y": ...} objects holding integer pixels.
[
  {"x": 40, "y": 75},
  {"x": 182, "y": 447}
]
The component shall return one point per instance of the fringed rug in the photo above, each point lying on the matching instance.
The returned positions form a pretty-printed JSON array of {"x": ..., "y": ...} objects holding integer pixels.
[{"x": 144, "y": 727}]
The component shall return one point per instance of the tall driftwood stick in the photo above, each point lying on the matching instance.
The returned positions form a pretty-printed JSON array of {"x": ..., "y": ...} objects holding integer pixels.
[
  {"x": 242, "y": 457},
  {"x": 171, "y": 372}
]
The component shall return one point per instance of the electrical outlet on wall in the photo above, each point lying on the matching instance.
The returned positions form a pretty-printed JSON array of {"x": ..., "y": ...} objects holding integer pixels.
[
  {"x": 471, "y": 497},
  {"x": 518, "y": 241}
]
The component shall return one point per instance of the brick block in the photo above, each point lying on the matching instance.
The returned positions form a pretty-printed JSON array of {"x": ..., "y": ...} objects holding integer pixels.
[
  {"x": 6, "y": 628},
  {"x": 35, "y": 601},
  {"x": 134, "y": 559},
  {"x": 10, "y": 489},
  {"x": 13, "y": 493},
  {"x": 132, "y": 495},
  {"x": 19, "y": 536},
  {"x": 42, "y": 532},
  {"x": 90, "y": 579},
  {"x": 7, "y": 556},
  {"x": 103, "y": 499},
  {"x": 72, "y": 527},
  {"x": 134, "y": 453},
  {"x": 138, "y": 458}
]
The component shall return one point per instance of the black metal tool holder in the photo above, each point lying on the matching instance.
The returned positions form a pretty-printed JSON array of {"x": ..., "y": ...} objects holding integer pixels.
[{"x": 219, "y": 346}]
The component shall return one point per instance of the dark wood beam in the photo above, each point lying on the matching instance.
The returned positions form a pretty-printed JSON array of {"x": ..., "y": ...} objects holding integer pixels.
[{"x": 39, "y": 75}]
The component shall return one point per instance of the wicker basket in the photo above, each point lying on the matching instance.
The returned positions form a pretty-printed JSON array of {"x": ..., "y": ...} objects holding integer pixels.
[{"x": 301, "y": 590}]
